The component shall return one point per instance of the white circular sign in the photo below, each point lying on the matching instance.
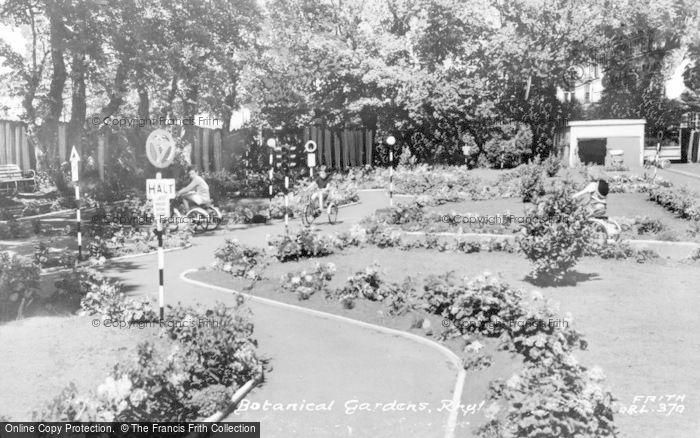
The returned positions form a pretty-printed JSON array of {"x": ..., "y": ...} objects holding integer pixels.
[
  {"x": 390, "y": 140},
  {"x": 160, "y": 148},
  {"x": 271, "y": 143},
  {"x": 310, "y": 147}
]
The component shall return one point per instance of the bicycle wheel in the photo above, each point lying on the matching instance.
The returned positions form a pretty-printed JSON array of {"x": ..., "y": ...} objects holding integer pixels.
[
  {"x": 199, "y": 219},
  {"x": 333, "y": 214},
  {"x": 615, "y": 235},
  {"x": 176, "y": 219},
  {"x": 600, "y": 233},
  {"x": 214, "y": 219},
  {"x": 309, "y": 214}
]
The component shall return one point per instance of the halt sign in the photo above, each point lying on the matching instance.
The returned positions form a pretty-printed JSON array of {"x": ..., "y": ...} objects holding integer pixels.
[
  {"x": 160, "y": 192},
  {"x": 160, "y": 148},
  {"x": 160, "y": 187}
]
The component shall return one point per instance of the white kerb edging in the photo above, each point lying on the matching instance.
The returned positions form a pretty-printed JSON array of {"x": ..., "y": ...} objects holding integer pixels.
[{"x": 451, "y": 356}]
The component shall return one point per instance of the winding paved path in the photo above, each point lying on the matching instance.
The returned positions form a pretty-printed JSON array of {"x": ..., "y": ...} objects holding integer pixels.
[{"x": 372, "y": 384}]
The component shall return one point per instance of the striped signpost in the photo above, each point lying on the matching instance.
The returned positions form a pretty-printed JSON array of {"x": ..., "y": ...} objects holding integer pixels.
[
  {"x": 391, "y": 141},
  {"x": 74, "y": 160},
  {"x": 271, "y": 144},
  {"x": 160, "y": 151}
]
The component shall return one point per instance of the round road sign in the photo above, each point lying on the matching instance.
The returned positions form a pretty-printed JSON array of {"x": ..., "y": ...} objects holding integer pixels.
[
  {"x": 160, "y": 148},
  {"x": 390, "y": 140},
  {"x": 310, "y": 147}
]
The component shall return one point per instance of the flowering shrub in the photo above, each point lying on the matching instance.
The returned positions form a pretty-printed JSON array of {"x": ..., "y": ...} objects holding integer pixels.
[
  {"x": 240, "y": 260},
  {"x": 365, "y": 284},
  {"x": 206, "y": 364},
  {"x": 564, "y": 400},
  {"x": 19, "y": 282},
  {"x": 647, "y": 225},
  {"x": 556, "y": 234},
  {"x": 305, "y": 284},
  {"x": 621, "y": 251},
  {"x": 305, "y": 243},
  {"x": 681, "y": 201},
  {"x": 112, "y": 239},
  {"x": 383, "y": 236},
  {"x": 552, "y": 392},
  {"x": 531, "y": 181},
  {"x": 624, "y": 183},
  {"x": 88, "y": 289},
  {"x": 552, "y": 165},
  {"x": 400, "y": 214},
  {"x": 355, "y": 237}
]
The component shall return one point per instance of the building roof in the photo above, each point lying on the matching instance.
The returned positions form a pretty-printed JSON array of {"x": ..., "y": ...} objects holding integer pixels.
[{"x": 606, "y": 122}]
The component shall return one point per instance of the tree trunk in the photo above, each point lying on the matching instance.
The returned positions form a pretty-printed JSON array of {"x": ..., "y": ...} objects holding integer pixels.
[
  {"x": 168, "y": 107},
  {"x": 76, "y": 126},
  {"x": 116, "y": 97},
  {"x": 144, "y": 108},
  {"x": 48, "y": 133}
]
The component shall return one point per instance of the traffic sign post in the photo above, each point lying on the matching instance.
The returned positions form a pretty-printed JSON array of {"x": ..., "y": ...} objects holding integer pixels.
[
  {"x": 160, "y": 191},
  {"x": 391, "y": 141},
  {"x": 74, "y": 160},
  {"x": 272, "y": 144},
  {"x": 288, "y": 162},
  {"x": 310, "y": 149},
  {"x": 160, "y": 150}
]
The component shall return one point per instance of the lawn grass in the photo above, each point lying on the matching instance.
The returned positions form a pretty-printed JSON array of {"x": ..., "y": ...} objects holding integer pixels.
[
  {"x": 42, "y": 355},
  {"x": 636, "y": 321}
]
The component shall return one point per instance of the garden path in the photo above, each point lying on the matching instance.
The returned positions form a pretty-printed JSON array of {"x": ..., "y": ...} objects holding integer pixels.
[{"x": 317, "y": 361}]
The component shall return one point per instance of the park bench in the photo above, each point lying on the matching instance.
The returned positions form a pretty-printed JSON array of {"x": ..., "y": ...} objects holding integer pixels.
[{"x": 12, "y": 179}]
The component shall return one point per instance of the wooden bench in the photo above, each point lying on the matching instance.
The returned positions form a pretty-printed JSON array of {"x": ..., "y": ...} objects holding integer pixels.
[{"x": 12, "y": 179}]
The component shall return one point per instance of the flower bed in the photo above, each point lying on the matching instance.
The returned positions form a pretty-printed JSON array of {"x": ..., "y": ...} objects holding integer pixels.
[
  {"x": 486, "y": 308},
  {"x": 196, "y": 377},
  {"x": 439, "y": 184},
  {"x": 683, "y": 201}
]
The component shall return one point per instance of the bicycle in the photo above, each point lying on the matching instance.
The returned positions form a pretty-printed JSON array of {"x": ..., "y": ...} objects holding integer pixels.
[
  {"x": 605, "y": 230},
  {"x": 313, "y": 210},
  {"x": 203, "y": 218}
]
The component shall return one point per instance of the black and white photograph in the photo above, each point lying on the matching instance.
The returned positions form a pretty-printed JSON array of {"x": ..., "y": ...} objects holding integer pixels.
[{"x": 349, "y": 218}]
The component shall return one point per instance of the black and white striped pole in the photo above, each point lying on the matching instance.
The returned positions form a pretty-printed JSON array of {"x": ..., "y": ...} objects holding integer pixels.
[
  {"x": 74, "y": 160},
  {"x": 271, "y": 143},
  {"x": 391, "y": 141},
  {"x": 286, "y": 204},
  {"x": 160, "y": 151},
  {"x": 161, "y": 262}
]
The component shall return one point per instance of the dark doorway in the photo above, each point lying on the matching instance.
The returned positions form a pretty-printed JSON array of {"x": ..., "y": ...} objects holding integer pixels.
[{"x": 592, "y": 150}]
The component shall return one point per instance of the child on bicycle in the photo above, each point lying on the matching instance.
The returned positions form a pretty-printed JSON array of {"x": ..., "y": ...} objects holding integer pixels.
[
  {"x": 597, "y": 205},
  {"x": 321, "y": 181},
  {"x": 598, "y": 198}
]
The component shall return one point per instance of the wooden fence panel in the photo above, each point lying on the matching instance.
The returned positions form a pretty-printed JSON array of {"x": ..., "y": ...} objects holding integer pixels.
[
  {"x": 26, "y": 158},
  {"x": 217, "y": 150},
  {"x": 197, "y": 149},
  {"x": 205, "y": 149},
  {"x": 368, "y": 147},
  {"x": 9, "y": 143},
  {"x": 327, "y": 148},
  {"x": 3, "y": 148},
  {"x": 17, "y": 156}
]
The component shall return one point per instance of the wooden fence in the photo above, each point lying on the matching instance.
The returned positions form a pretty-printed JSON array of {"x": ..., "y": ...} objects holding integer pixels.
[
  {"x": 14, "y": 147},
  {"x": 341, "y": 149},
  {"x": 211, "y": 149}
]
